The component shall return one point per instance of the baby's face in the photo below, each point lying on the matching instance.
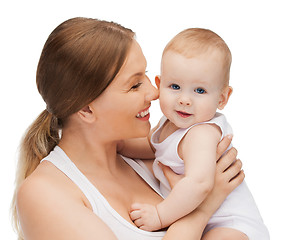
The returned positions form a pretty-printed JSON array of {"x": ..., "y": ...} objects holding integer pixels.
[{"x": 190, "y": 88}]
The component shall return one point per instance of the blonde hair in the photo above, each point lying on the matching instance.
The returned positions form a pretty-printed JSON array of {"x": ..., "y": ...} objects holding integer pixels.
[
  {"x": 79, "y": 60},
  {"x": 196, "y": 41}
]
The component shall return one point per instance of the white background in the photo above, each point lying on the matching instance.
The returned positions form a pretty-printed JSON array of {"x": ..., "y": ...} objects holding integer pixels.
[{"x": 257, "y": 34}]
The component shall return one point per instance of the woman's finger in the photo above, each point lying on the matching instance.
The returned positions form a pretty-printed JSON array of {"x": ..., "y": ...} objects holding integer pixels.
[
  {"x": 237, "y": 180},
  {"x": 226, "y": 160},
  {"x": 233, "y": 170},
  {"x": 223, "y": 145}
]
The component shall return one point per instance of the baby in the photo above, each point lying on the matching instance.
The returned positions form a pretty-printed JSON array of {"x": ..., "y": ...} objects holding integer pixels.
[{"x": 194, "y": 83}]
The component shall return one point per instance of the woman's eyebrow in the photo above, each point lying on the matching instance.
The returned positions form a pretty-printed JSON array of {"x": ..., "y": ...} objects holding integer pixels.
[
  {"x": 132, "y": 77},
  {"x": 136, "y": 75}
]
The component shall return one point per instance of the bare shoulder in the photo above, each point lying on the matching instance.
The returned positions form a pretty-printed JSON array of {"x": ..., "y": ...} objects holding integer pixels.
[
  {"x": 202, "y": 136},
  {"x": 40, "y": 194},
  {"x": 50, "y": 206},
  {"x": 204, "y": 131},
  {"x": 46, "y": 181}
]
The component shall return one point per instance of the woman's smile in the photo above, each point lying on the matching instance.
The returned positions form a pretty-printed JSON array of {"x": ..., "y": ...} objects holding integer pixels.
[{"x": 144, "y": 115}]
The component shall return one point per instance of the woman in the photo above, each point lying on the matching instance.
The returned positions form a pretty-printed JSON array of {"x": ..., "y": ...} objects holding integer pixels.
[{"x": 91, "y": 74}]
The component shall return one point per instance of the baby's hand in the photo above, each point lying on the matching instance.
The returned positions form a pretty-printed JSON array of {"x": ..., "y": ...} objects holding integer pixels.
[{"x": 145, "y": 217}]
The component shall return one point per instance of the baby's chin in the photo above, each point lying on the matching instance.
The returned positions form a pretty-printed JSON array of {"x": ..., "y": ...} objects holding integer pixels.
[{"x": 183, "y": 124}]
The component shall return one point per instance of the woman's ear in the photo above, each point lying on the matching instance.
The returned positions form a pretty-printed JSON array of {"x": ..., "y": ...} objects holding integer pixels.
[
  {"x": 158, "y": 81},
  {"x": 224, "y": 98},
  {"x": 86, "y": 114}
]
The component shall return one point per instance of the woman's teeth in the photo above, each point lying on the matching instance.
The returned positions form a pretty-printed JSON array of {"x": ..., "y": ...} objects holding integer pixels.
[{"x": 142, "y": 114}]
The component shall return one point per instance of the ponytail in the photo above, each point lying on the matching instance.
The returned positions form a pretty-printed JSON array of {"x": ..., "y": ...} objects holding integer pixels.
[
  {"x": 80, "y": 58},
  {"x": 40, "y": 138}
]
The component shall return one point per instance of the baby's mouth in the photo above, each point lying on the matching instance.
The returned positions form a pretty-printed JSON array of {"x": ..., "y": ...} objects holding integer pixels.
[{"x": 184, "y": 114}]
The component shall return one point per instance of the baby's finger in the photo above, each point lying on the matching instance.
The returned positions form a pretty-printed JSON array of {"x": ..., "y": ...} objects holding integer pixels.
[
  {"x": 223, "y": 145},
  {"x": 138, "y": 222},
  {"x": 134, "y": 215},
  {"x": 135, "y": 206},
  {"x": 143, "y": 227},
  {"x": 226, "y": 160}
]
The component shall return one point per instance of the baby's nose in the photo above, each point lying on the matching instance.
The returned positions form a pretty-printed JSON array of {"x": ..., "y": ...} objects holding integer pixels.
[{"x": 185, "y": 101}]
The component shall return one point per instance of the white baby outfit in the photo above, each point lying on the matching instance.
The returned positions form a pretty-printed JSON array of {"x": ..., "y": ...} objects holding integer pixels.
[
  {"x": 239, "y": 210},
  {"x": 121, "y": 228}
]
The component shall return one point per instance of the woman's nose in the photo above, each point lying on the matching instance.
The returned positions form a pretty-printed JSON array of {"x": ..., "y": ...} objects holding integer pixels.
[{"x": 152, "y": 92}]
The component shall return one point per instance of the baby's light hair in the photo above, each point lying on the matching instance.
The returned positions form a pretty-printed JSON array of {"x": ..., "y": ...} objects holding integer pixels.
[{"x": 193, "y": 42}]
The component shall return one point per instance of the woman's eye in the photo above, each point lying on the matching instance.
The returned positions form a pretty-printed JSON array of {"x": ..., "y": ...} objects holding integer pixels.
[
  {"x": 175, "y": 86},
  {"x": 200, "y": 91},
  {"x": 136, "y": 86}
]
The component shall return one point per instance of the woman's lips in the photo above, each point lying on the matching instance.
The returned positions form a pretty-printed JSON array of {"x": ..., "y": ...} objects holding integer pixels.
[
  {"x": 144, "y": 114},
  {"x": 184, "y": 114}
]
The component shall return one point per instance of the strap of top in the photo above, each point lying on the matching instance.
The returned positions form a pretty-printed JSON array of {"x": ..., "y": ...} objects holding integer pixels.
[
  {"x": 59, "y": 159},
  {"x": 141, "y": 169}
]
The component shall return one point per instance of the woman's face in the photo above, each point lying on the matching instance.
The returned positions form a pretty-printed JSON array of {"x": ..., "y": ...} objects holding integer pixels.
[{"x": 123, "y": 108}]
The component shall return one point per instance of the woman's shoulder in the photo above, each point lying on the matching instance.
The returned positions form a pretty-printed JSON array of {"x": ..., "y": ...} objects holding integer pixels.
[
  {"x": 41, "y": 178},
  {"x": 51, "y": 204},
  {"x": 45, "y": 186}
]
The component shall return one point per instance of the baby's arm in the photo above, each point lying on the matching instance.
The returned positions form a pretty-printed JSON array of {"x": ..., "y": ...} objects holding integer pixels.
[
  {"x": 198, "y": 150},
  {"x": 137, "y": 147}
]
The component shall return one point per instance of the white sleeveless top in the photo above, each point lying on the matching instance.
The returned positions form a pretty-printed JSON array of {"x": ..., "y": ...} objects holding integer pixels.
[
  {"x": 238, "y": 211},
  {"x": 121, "y": 228},
  {"x": 167, "y": 150}
]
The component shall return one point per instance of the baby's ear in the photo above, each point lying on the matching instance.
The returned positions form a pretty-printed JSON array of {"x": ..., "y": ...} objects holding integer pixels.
[
  {"x": 158, "y": 81},
  {"x": 224, "y": 98}
]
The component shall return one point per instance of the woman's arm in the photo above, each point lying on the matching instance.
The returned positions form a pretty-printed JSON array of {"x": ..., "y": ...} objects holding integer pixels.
[
  {"x": 140, "y": 148},
  {"x": 228, "y": 176},
  {"x": 137, "y": 148},
  {"x": 47, "y": 212}
]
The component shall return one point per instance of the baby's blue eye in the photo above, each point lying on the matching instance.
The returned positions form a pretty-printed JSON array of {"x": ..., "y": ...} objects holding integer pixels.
[
  {"x": 175, "y": 86},
  {"x": 200, "y": 91}
]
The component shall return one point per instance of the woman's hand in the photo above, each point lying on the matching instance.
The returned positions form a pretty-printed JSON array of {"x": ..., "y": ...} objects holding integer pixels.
[{"x": 229, "y": 175}]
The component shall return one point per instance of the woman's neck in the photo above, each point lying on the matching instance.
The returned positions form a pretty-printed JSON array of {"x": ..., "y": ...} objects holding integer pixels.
[{"x": 88, "y": 151}]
